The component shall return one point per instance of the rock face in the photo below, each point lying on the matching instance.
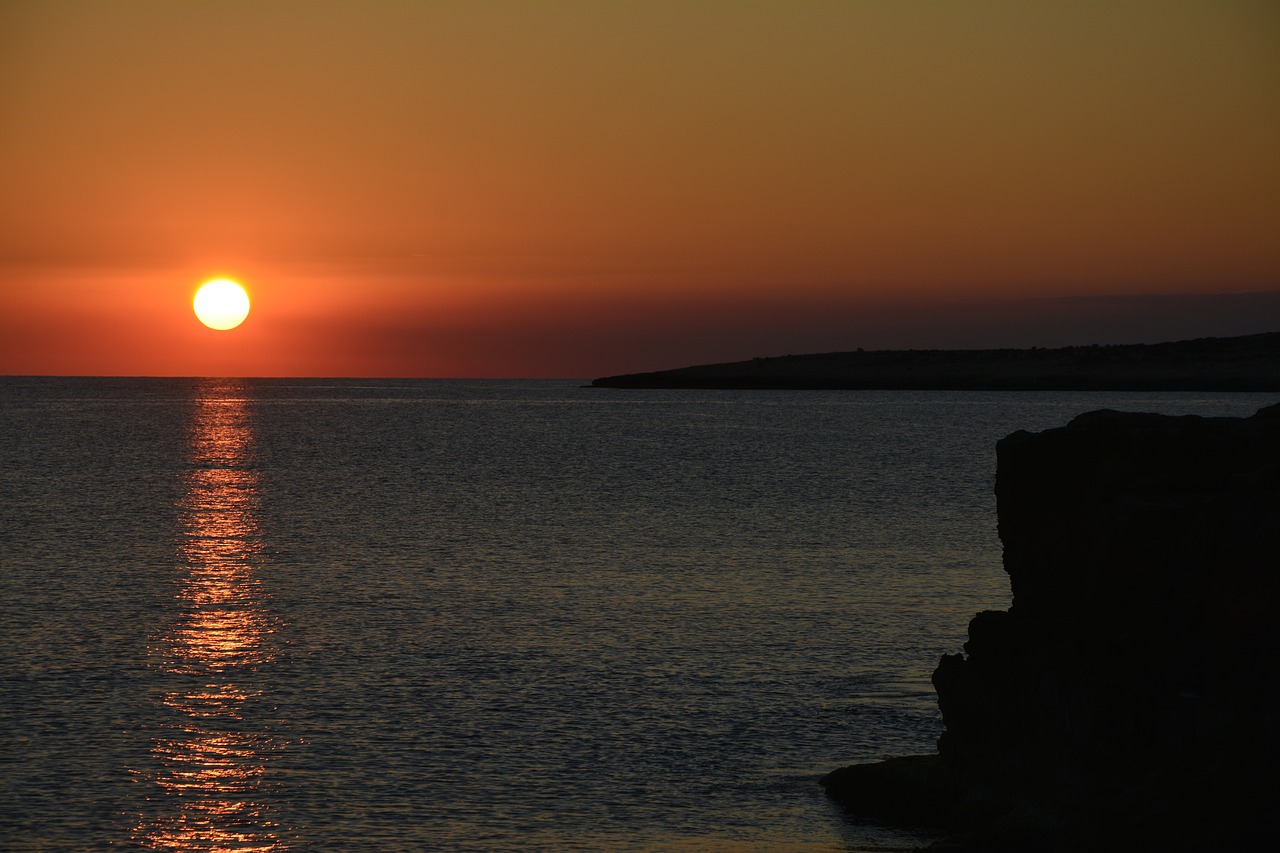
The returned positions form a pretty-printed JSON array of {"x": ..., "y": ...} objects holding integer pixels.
[{"x": 1128, "y": 700}]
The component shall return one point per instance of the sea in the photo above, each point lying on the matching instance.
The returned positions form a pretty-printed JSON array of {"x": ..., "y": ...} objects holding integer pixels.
[{"x": 430, "y": 615}]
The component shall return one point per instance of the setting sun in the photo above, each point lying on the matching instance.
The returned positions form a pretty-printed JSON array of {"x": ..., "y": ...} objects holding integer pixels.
[{"x": 221, "y": 304}]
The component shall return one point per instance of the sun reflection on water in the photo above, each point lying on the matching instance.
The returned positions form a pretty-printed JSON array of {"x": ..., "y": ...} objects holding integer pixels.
[{"x": 210, "y": 790}]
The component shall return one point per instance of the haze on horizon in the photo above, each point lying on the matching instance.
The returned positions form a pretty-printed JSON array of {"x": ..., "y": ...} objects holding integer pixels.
[{"x": 578, "y": 189}]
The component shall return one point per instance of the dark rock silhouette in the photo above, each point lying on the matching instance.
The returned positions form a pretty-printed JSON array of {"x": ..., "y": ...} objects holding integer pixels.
[
  {"x": 1128, "y": 699},
  {"x": 1246, "y": 363}
]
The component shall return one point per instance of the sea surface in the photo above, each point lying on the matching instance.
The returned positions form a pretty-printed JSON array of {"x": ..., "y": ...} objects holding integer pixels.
[{"x": 333, "y": 615}]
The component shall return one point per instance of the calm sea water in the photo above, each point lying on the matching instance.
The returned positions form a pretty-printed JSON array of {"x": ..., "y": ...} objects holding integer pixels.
[{"x": 433, "y": 615}]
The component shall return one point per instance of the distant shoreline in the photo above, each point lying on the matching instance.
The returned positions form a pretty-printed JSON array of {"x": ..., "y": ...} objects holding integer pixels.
[{"x": 1236, "y": 364}]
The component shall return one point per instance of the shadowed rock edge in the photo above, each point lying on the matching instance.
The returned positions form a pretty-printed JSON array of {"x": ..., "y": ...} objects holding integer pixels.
[{"x": 1128, "y": 699}]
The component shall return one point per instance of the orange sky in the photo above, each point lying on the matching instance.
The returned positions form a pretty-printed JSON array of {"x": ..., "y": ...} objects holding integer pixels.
[{"x": 575, "y": 189}]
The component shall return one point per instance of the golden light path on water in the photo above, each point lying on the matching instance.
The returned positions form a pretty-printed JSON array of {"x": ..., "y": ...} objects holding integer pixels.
[{"x": 208, "y": 779}]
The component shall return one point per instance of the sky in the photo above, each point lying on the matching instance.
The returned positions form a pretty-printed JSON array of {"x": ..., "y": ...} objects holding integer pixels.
[{"x": 576, "y": 189}]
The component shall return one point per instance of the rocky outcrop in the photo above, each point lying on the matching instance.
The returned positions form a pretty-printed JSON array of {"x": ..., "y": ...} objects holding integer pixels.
[{"x": 1128, "y": 699}]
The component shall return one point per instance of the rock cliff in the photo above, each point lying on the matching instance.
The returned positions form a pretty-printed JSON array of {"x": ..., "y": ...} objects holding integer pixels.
[{"x": 1128, "y": 699}]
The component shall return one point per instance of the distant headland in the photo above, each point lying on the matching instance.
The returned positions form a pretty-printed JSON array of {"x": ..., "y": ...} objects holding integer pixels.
[{"x": 1246, "y": 363}]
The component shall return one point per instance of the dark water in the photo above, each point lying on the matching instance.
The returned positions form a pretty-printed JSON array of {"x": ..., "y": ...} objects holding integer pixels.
[{"x": 428, "y": 615}]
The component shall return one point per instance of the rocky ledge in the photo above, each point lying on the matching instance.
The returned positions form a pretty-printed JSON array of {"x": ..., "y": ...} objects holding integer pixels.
[{"x": 1129, "y": 698}]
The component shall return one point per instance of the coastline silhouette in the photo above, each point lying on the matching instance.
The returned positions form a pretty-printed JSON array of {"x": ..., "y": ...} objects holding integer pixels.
[{"x": 1244, "y": 363}]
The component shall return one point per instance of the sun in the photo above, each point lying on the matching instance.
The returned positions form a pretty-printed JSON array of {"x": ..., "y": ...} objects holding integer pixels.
[{"x": 221, "y": 304}]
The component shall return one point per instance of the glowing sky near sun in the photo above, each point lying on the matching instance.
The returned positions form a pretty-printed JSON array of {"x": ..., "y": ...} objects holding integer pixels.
[{"x": 575, "y": 188}]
